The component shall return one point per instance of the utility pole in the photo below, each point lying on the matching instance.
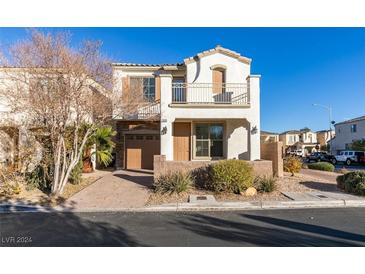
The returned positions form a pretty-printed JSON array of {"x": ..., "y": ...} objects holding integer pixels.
[{"x": 329, "y": 108}]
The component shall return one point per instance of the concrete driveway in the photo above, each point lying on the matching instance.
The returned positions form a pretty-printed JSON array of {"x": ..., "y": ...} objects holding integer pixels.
[{"x": 119, "y": 189}]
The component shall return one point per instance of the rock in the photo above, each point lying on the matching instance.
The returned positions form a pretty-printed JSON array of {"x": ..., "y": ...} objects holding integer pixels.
[{"x": 251, "y": 191}]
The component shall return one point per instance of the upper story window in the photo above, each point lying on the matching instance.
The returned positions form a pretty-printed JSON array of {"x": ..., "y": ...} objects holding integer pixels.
[
  {"x": 144, "y": 86},
  {"x": 353, "y": 128}
]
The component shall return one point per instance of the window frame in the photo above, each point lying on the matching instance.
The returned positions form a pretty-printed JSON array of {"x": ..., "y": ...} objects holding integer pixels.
[
  {"x": 353, "y": 128},
  {"x": 151, "y": 87},
  {"x": 209, "y": 157}
]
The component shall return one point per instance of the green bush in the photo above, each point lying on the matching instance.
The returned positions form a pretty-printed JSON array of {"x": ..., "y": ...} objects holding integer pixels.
[
  {"x": 40, "y": 177},
  {"x": 352, "y": 182},
  {"x": 292, "y": 164},
  {"x": 176, "y": 182},
  {"x": 75, "y": 176},
  {"x": 322, "y": 166},
  {"x": 265, "y": 184},
  {"x": 231, "y": 176}
]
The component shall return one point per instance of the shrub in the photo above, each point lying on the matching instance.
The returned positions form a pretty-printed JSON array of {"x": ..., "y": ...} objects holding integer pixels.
[
  {"x": 9, "y": 182},
  {"x": 202, "y": 177},
  {"x": 292, "y": 164},
  {"x": 176, "y": 182},
  {"x": 40, "y": 177},
  {"x": 352, "y": 182},
  {"x": 322, "y": 166},
  {"x": 265, "y": 184},
  {"x": 231, "y": 176},
  {"x": 75, "y": 176}
]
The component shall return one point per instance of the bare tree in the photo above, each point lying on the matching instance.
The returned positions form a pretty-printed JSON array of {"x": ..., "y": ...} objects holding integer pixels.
[
  {"x": 132, "y": 102},
  {"x": 60, "y": 89}
]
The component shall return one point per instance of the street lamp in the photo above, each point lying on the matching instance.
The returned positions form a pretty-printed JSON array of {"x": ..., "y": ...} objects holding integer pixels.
[{"x": 329, "y": 108}]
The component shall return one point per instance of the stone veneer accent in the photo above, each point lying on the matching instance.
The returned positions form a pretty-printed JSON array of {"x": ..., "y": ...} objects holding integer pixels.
[{"x": 161, "y": 166}]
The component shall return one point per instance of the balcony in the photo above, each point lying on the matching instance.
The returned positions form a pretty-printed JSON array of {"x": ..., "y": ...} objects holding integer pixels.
[{"x": 228, "y": 94}]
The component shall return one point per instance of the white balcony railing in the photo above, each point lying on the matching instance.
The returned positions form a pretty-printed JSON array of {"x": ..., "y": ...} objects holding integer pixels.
[
  {"x": 210, "y": 93},
  {"x": 150, "y": 111}
]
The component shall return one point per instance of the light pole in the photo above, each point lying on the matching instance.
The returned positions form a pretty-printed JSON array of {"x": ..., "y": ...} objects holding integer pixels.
[{"x": 329, "y": 108}]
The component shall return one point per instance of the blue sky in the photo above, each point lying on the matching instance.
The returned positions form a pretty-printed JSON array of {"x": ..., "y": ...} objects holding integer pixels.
[{"x": 299, "y": 66}]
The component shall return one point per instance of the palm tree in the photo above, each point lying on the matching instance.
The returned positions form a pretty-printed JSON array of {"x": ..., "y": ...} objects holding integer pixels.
[{"x": 102, "y": 139}]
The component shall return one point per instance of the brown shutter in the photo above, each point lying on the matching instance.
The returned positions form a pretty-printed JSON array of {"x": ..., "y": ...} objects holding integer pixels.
[
  {"x": 125, "y": 85},
  {"x": 157, "y": 88}
]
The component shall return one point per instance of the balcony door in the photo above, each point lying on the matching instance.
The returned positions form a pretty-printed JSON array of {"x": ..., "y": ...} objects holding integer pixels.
[
  {"x": 219, "y": 78},
  {"x": 178, "y": 90}
]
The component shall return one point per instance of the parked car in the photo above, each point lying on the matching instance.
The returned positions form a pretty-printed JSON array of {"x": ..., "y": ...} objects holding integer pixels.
[
  {"x": 297, "y": 152},
  {"x": 320, "y": 156},
  {"x": 349, "y": 156}
]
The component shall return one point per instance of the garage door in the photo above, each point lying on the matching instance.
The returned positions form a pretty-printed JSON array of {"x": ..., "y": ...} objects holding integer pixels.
[{"x": 140, "y": 149}]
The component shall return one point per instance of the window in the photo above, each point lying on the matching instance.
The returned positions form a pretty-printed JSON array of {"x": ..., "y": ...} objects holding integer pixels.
[
  {"x": 353, "y": 128},
  {"x": 208, "y": 140},
  {"x": 144, "y": 86}
]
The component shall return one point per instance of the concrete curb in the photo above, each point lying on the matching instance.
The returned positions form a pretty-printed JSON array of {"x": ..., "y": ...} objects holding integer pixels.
[{"x": 188, "y": 207}]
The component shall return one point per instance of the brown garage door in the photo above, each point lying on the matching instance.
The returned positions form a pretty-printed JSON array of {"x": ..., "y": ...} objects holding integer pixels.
[{"x": 140, "y": 149}]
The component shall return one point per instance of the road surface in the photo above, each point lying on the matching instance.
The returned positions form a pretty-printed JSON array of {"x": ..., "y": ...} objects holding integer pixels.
[{"x": 299, "y": 227}]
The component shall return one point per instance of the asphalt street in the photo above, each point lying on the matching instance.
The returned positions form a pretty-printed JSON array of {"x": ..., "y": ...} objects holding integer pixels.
[{"x": 299, "y": 227}]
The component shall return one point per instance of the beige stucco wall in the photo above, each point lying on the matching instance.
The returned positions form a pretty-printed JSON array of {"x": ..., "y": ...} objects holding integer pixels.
[{"x": 345, "y": 136}]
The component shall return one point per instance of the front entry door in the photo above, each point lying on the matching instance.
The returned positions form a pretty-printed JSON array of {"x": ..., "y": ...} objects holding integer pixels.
[{"x": 182, "y": 141}]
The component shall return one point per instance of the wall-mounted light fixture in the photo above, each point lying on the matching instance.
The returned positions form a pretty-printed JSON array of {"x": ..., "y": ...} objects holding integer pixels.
[
  {"x": 254, "y": 130},
  {"x": 164, "y": 130}
]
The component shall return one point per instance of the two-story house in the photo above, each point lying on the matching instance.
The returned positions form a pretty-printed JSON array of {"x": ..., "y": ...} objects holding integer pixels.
[
  {"x": 324, "y": 137},
  {"x": 304, "y": 140},
  {"x": 347, "y": 132},
  {"x": 204, "y": 108}
]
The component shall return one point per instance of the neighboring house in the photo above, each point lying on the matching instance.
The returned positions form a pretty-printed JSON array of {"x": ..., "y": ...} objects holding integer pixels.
[
  {"x": 18, "y": 137},
  {"x": 269, "y": 137},
  {"x": 304, "y": 139},
  {"x": 347, "y": 132},
  {"x": 324, "y": 137},
  {"x": 205, "y": 108}
]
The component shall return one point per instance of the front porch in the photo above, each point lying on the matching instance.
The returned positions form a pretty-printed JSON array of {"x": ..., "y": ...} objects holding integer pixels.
[{"x": 208, "y": 139}]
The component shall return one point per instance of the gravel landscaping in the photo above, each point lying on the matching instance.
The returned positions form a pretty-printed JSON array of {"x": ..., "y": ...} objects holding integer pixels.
[{"x": 306, "y": 181}]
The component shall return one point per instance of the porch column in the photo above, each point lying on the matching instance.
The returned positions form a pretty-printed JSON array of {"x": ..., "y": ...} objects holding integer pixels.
[
  {"x": 254, "y": 96},
  {"x": 166, "y": 117}
]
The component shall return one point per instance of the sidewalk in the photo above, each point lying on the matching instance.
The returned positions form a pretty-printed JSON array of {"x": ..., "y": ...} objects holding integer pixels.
[{"x": 340, "y": 201}]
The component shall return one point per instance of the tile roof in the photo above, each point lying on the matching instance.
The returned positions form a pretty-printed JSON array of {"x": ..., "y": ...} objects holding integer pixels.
[
  {"x": 219, "y": 49},
  {"x": 144, "y": 65},
  {"x": 293, "y": 131},
  {"x": 268, "y": 132}
]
